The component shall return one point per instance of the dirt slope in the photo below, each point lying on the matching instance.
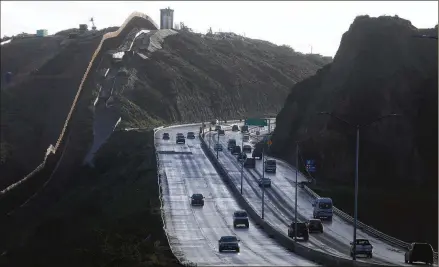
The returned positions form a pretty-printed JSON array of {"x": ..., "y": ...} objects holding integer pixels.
[
  {"x": 190, "y": 78},
  {"x": 380, "y": 68}
]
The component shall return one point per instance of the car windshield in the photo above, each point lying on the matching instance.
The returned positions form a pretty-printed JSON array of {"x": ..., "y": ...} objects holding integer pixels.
[
  {"x": 363, "y": 242},
  {"x": 270, "y": 162},
  {"x": 300, "y": 226},
  {"x": 314, "y": 222},
  {"x": 422, "y": 247},
  {"x": 228, "y": 239},
  {"x": 190, "y": 133},
  {"x": 325, "y": 205},
  {"x": 241, "y": 214},
  {"x": 197, "y": 196},
  {"x": 165, "y": 133},
  {"x": 232, "y": 141}
]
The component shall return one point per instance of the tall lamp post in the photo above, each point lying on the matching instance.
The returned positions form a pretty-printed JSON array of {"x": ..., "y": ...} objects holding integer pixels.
[
  {"x": 217, "y": 143},
  {"x": 242, "y": 162},
  {"x": 357, "y": 151}
]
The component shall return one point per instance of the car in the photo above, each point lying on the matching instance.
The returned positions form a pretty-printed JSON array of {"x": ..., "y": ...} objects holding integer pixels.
[
  {"x": 217, "y": 127},
  {"x": 422, "y": 252},
  {"x": 221, "y": 132},
  {"x": 244, "y": 129},
  {"x": 197, "y": 200},
  {"x": 235, "y": 128},
  {"x": 247, "y": 149},
  {"x": 250, "y": 163},
  {"x": 180, "y": 140},
  {"x": 241, "y": 157},
  {"x": 231, "y": 144},
  {"x": 264, "y": 181},
  {"x": 240, "y": 217},
  {"x": 190, "y": 135},
  {"x": 228, "y": 243},
  {"x": 257, "y": 153},
  {"x": 165, "y": 136},
  {"x": 362, "y": 247},
  {"x": 322, "y": 208},
  {"x": 315, "y": 225},
  {"x": 270, "y": 166},
  {"x": 302, "y": 230},
  {"x": 236, "y": 150},
  {"x": 218, "y": 147}
]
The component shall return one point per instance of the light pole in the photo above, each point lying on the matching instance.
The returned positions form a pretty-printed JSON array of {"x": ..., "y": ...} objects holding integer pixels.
[
  {"x": 262, "y": 182},
  {"x": 357, "y": 153},
  {"x": 295, "y": 203},
  {"x": 242, "y": 163},
  {"x": 217, "y": 143}
]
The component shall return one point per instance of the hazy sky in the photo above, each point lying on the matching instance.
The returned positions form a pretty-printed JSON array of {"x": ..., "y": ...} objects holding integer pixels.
[{"x": 298, "y": 24}]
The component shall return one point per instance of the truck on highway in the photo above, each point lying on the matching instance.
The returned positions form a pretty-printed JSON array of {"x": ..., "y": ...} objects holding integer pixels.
[{"x": 322, "y": 208}]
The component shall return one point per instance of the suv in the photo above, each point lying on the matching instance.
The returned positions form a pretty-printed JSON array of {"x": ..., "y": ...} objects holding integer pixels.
[
  {"x": 231, "y": 144},
  {"x": 315, "y": 225},
  {"x": 240, "y": 217},
  {"x": 218, "y": 147},
  {"x": 180, "y": 140},
  {"x": 244, "y": 129},
  {"x": 165, "y": 136},
  {"x": 197, "y": 200},
  {"x": 236, "y": 150},
  {"x": 270, "y": 165},
  {"x": 190, "y": 135},
  {"x": 235, "y": 128},
  {"x": 362, "y": 246},
  {"x": 265, "y": 181},
  {"x": 257, "y": 153},
  {"x": 228, "y": 243},
  {"x": 247, "y": 149},
  {"x": 250, "y": 163},
  {"x": 302, "y": 230},
  {"x": 242, "y": 157},
  {"x": 419, "y": 252}
]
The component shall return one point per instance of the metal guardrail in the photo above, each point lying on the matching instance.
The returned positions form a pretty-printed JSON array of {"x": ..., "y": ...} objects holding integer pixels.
[{"x": 369, "y": 230}]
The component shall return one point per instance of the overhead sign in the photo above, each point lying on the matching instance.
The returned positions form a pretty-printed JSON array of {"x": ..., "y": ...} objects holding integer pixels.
[
  {"x": 256, "y": 122},
  {"x": 310, "y": 165}
]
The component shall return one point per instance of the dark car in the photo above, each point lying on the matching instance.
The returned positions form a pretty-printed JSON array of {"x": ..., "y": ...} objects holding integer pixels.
[
  {"x": 422, "y": 252},
  {"x": 197, "y": 200},
  {"x": 190, "y": 135},
  {"x": 241, "y": 157},
  {"x": 240, "y": 217},
  {"x": 257, "y": 153},
  {"x": 302, "y": 230},
  {"x": 180, "y": 140},
  {"x": 231, "y": 143},
  {"x": 165, "y": 136},
  {"x": 221, "y": 132},
  {"x": 217, "y": 127},
  {"x": 244, "y": 128},
  {"x": 315, "y": 226},
  {"x": 228, "y": 243},
  {"x": 236, "y": 150},
  {"x": 362, "y": 247},
  {"x": 218, "y": 147},
  {"x": 235, "y": 128},
  {"x": 270, "y": 165},
  {"x": 247, "y": 149},
  {"x": 250, "y": 163}
]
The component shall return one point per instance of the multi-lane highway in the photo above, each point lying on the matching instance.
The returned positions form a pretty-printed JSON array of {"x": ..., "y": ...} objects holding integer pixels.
[
  {"x": 279, "y": 207},
  {"x": 193, "y": 232}
]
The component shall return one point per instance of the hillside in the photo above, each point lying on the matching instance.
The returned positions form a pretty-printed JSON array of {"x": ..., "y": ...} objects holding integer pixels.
[
  {"x": 380, "y": 68},
  {"x": 189, "y": 78}
]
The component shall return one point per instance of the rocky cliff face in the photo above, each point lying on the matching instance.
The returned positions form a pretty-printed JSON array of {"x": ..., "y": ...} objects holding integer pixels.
[{"x": 380, "y": 68}]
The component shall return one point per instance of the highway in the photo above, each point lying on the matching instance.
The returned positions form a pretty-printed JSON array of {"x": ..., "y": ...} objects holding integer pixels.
[
  {"x": 193, "y": 232},
  {"x": 279, "y": 207}
]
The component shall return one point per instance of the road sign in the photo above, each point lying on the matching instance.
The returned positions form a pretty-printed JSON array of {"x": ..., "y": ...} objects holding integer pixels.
[
  {"x": 310, "y": 165},
  {"x": 256, "y": 122}
]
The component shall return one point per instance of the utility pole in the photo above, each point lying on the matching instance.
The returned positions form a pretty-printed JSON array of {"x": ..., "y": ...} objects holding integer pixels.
[
  {"x": 242, "y": 163},
  {"x": 295, "y": 203},
  {"x": 217, "y": 143},
  {"x": 263, "y": 185}
]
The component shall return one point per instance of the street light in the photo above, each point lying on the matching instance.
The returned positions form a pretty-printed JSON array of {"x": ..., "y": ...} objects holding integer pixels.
[
  {"x": 242, "y": 163},
  {"x": 262, "y": 182},
  {"x": 217, "y": 150},
  {"x": 357, "y": 127}
]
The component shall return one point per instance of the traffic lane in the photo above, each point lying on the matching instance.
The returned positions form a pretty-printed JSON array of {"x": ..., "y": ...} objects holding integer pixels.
[
  {"x": 325, "y": 238},
  {"x": 274, "y": 210},
  {"x": 212, "y": 230}
]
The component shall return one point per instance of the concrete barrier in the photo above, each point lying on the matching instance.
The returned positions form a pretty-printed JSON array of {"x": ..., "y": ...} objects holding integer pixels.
[{"x": 316, "y": 256}]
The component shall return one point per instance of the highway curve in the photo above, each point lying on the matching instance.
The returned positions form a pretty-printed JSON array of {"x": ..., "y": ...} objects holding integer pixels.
[
  {"x": 279, "y": 209},
  {"x": 193, "y": 232}
]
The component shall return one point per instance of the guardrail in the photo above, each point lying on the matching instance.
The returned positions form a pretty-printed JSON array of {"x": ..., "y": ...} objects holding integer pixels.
[
  {"x": 369, "y": 230},
  {"x": 273, "y": 232}
]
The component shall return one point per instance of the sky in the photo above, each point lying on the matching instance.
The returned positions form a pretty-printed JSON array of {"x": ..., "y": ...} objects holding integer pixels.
[{"x": 304, "y": 25}]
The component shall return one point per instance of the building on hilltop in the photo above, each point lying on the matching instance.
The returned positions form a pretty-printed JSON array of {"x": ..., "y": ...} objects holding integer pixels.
[{"x": 166, "y": 18}]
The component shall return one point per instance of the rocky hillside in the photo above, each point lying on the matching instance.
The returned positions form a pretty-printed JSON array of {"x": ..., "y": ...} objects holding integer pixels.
[
  {"x": 380, "y": 68},
  {"x": 188, "y": 77}
]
